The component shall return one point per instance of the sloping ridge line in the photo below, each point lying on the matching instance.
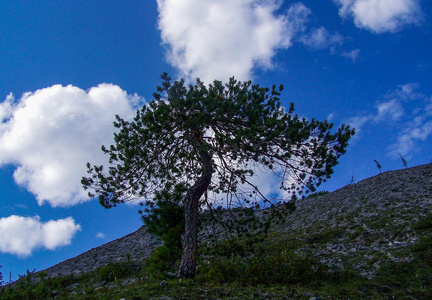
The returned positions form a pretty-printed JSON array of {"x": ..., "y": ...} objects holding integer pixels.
[
  {"x": 133, "y": 247},
  {"x": 415, "y": 182}
]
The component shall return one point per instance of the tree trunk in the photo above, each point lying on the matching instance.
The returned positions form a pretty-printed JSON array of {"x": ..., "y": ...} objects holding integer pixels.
[{"x": 191, "y": 202}]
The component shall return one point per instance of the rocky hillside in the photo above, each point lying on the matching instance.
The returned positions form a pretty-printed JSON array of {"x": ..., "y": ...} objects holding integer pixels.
[
  {"x": 360, "y": 225},
  {"x": 132, "y": 247},
  {"x": 364, "y": 224}
]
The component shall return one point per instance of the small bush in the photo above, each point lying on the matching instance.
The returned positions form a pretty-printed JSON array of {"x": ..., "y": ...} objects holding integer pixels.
[
  {"x": 163, "y": 261},
  {"x": 111, "y": 271},
  {"x": 26, "y": 288},
  {"x": 358, "y": 231},
  {"x": 422, "y": 249},
  {"x": 423, "y": 224},
  {"x": 281, "y": 268},
  {"x": 325, "y": 236}
]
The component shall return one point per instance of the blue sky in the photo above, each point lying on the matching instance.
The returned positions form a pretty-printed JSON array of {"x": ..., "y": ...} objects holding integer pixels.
[{"x": 67, "y": 67}]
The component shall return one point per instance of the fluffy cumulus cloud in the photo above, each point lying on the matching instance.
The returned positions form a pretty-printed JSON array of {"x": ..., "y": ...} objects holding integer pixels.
[
  {"x": 51, "y": 133},
  {"x": 219, "y": 39},
  {"x": 381, "y": 16},
  {"x": 21, "y": 235},
  {"x": 408, "y": 111}
]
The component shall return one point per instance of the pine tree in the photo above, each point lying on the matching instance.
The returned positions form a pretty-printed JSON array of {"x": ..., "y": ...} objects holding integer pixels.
[
  {"x": 1, "y": 278},
  {"x": 207, "y": 142},
  {"x": 404, "y": 162},
  {"x": 378, "y": 165}
]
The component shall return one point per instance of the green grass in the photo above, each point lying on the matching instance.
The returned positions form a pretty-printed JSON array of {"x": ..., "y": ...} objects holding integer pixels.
[{"x": 274, "y": 269}]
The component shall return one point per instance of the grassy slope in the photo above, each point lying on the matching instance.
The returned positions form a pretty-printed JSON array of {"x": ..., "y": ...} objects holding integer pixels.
[{"x": 351, "y": 244}]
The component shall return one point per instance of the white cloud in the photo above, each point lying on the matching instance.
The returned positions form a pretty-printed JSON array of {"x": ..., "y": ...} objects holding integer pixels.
[
  {"x": 6, "y": 107},
  {"x": 51, "y": 133},
  {"x": 392, "y": 108},
  {"x": 220, "y": 39},
  {"x": 358, "y": 122},
  {"x": 418, "y": 130},
  {"x": 353, "y": 55},
  {"x": 408, "y": 112},
  {"x": 320, "y": 38},
  {"x": 100, "y": 235},
  {"x": 21, "y": 235},
  {"x": 389, "y": 110},
  {"x": 381, "y": 16}
]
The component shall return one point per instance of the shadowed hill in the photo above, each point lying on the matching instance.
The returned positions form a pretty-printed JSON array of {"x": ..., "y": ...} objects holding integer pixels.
[
  {"x": 365, "y": 224},
  {"x": 361, "y": 225},
  {"x": 134, "y": 247}
]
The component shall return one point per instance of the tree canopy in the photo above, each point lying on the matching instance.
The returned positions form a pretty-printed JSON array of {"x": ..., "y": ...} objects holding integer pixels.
[{"x": 205, "y": 143}]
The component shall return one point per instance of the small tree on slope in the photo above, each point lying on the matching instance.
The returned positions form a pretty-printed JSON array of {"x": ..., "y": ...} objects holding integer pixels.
[{"x": 209, "y": 141}]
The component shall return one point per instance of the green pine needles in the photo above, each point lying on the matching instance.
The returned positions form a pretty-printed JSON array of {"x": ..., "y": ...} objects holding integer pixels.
[{"x": 204, "y": 144}]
